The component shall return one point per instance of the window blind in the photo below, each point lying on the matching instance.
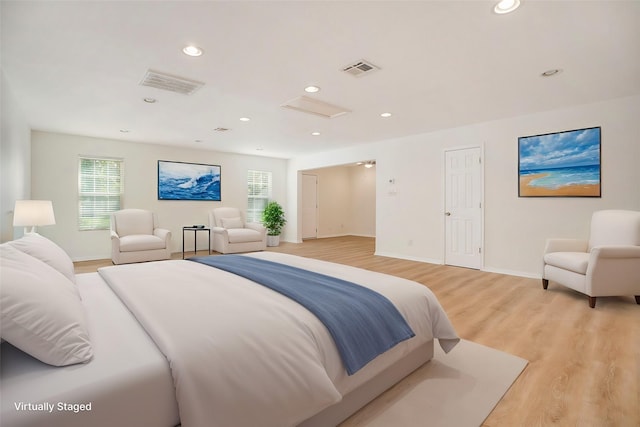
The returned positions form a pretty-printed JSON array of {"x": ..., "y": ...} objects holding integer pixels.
[
  {"x": 100, "y": 188},
  {"x": 259, "y": 193}
]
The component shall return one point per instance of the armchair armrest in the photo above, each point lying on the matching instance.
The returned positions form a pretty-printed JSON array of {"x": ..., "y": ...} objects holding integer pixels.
[
  {"x": 256, "y": 226},
  {"x": 114, "y": 236},
  {"x": 219, "y": 230},
  {"x": 615, "y": 252},
  {"x": 566, "y": 245},
  {"x": 613, "y": 270},
  {"x": 162, "y": 233}
]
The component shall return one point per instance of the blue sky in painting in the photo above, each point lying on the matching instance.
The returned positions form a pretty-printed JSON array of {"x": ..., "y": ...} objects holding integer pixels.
[{"x": 560, "y": 150}]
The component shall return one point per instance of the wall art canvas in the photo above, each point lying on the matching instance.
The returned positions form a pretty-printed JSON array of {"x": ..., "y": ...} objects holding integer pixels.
[
  {"x": 188, "y": 181},
  {"x": 561, "y": 164}
]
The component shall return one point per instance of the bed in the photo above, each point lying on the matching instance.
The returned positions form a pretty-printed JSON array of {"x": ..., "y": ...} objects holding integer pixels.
[{"x": 180, "y": 342}]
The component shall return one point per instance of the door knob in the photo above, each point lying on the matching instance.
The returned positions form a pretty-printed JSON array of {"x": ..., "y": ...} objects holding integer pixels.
[{"x": 447, "y": 213}]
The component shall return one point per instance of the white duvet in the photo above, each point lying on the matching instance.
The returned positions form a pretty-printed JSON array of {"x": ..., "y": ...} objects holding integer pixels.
[{"x": 242, "y": 355}]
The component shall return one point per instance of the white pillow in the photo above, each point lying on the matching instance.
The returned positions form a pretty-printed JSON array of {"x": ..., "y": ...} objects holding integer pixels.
[
  {"x": 232, "y": 222},
  {"x": 40, "y": 310},
  {"x": 45, "y": 250}
]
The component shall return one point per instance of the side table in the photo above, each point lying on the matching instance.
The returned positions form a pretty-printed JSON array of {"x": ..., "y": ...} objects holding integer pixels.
[{"x": 195, "y": 238}]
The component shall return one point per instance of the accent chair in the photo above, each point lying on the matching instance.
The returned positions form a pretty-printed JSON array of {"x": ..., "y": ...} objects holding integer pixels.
[
  {"x": 608, "y": 264},
  {"x": 231, "y": 234},
  {"x": 136, "y": 237}
]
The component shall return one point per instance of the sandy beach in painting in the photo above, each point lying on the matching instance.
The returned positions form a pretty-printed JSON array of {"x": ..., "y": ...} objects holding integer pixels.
[{"x": 584, "y": 190}]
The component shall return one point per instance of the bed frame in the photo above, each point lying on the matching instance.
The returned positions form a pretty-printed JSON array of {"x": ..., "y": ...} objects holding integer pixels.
[
  {"x": 361, "y": 396},
  {"x": 132, "y": 364}
]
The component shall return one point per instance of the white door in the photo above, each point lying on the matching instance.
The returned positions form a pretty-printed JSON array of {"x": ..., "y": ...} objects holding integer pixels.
[
  {"x": 309, "y": 206},
  {"x": 463, "y": 208}
]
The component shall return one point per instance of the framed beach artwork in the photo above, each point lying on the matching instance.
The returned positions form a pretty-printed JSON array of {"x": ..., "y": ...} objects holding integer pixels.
[
  {"x": 188, "y": 181},
  {"x": 561, "y": 164}
]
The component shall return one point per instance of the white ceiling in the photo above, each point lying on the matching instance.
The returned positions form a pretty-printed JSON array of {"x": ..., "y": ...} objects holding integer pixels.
[{"x": 75, "y": 67}]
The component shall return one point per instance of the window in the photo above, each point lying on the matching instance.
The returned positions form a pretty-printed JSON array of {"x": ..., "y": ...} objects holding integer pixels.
[
  {"x": 259, "y": 191},
  {"x": 100, "y": 186}
]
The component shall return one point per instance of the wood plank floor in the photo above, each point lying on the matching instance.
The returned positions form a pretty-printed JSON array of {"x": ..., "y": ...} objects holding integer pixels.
[{"x": 584, "y": 364}]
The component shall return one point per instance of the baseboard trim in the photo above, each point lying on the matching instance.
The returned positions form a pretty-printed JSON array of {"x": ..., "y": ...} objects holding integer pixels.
[
  {"x": 90, "y": 258},
  {"x": 512, "y": 272},
  {"x": 329, "y": 236},
  {"x": 408, "y": 257}
]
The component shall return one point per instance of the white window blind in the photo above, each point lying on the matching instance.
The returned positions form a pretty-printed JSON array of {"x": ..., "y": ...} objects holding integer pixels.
[
  {"x": 259, "y": 191},
  {"x": 100, "y": 188}
]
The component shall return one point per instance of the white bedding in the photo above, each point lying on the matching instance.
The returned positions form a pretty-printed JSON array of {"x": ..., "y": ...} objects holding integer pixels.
[
  {"x": 128, "y": 381},
  {"x": 244, "y": 355}
]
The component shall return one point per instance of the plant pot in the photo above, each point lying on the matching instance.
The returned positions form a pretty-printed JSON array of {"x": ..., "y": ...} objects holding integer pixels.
[{"x": 273, "y": 240}]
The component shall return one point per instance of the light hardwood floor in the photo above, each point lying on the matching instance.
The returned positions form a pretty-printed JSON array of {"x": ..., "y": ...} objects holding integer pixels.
[{"x": 584, "y": 364}]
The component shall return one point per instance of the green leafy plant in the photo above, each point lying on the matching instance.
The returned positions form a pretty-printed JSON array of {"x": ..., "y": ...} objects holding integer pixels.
[{"x": 273, "y": 218}]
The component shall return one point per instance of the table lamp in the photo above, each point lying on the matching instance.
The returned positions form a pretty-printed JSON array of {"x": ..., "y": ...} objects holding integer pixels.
[{"x": 32, "y": 213}]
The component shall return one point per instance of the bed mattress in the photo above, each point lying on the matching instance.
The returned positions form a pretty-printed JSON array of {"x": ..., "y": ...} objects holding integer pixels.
[{"x": 128, "y": 382}]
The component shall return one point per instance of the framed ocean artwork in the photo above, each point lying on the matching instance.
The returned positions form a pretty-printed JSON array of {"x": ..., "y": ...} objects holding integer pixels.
[
  {"x": 561, "y": 164},
  {"x": 188, "y": 181}
]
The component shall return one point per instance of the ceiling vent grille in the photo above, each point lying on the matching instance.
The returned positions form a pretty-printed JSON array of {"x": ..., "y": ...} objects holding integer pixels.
[
  {"x": 360, "y": 68},
  {"x": 314, "y": 106},
  {"x": 171, "y": 83}
]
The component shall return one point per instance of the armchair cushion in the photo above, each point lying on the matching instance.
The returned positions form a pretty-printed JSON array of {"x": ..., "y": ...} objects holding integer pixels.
[
  {"x": 232, "y": 222},
  {"x": 141, "y": 242},
  {"x": 243, "y": 235},
  {"x": 615, "y": 227},
  {"x": 134, "y": 221},
  {"x": 572, "y": 261}
]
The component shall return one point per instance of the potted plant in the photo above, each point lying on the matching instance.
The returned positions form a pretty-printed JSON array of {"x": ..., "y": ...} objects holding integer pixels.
[{"x": 273, "y": 219}]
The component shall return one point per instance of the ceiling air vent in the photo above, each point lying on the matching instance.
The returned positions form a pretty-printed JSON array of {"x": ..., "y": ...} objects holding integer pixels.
[
  {"x": 360, "y": 68},
  {"x": 314, "y": 106},
  {"x": 171, "y": 83}
]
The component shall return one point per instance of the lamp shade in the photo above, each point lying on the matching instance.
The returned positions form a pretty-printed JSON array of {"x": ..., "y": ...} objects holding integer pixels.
[{"x": 33, "y": 213}]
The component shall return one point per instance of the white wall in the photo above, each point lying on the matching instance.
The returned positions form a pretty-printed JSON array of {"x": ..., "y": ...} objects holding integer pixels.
[
  {"x": 15, "y": 164},
  {"x": 54, "y": 163},
  {"x": 363, "y": 201},
  {"x": 409, "y": 223},
  {"x": 346, "y": 201}
]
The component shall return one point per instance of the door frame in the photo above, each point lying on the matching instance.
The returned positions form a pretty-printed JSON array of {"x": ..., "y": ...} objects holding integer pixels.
[
  {"x": 444, "y": 199},
  {"x": 302, "y": 195}
]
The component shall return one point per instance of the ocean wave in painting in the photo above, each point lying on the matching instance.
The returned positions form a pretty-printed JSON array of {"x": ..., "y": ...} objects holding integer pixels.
[
  {"x": 560, "y": 177},
  {"x": 187, "y": 181}
]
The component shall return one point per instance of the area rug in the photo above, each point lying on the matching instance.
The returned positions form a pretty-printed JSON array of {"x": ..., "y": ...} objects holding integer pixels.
[{"x": 459, "y": 389}]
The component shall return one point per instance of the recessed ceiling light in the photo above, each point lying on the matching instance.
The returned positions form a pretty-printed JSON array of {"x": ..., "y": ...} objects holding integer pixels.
[
  {"x": 506, "y": 6},
  {"x": 192, "y": 50},
  {"x": 312, "y": 89},
  {"x": 550, "y": 73},
  {"x": 244, "y": 119},
  {"x": 315, "y": 133},
  {"x": 385, "y": 115},
  {"x": 150, "y": 100}
]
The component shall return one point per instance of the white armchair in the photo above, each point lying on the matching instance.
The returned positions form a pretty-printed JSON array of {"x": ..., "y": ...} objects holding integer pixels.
[
  {"x": 230, "y": 233},
  {"x": 608, "y": 264},
  {"x": 135, "y": 237}
]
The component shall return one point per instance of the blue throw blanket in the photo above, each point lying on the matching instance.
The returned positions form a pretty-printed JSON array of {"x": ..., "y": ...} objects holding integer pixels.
[{"x": 362, "y": 322}]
